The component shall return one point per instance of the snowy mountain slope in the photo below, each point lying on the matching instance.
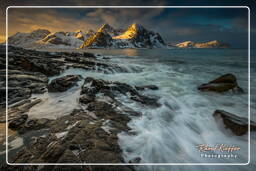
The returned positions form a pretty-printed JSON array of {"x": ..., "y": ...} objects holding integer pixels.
[
  {"x": 210, "y": 44},
  {"x": 45, "y": 39},
  {"x": 136, "y": 36},
  {"x": 26, "y": 39},
  {"x": 62, "y": 38}
]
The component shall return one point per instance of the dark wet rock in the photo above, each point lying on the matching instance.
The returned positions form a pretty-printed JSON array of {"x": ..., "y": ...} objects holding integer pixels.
[
  {"x": 33, "y": 61},
  {"x": 63, "y": 83},
  {"x": 84, "y": 136},
  {"x": 93, "y": 64},
  {"x": 76, "y": 138},
  {"x": 89, "y": 55},
  {"x": 18, "y": 109},
  {"x": 106, "y": 57},
  {"x": 86, "y": 99},
  {"x": 238, "y": 125},
  {"x": 50, "y": 63},
  {"x": 151, "y": 87},
  {"x": 93, "y": 86},
  {"x": 222, "y": 84},
  {"x": 135, "y": 160},
  {"x": 33, "y": 124},
  {"x": 17, "y": 122},
  {"x": 14, "y": 95},
  {"x": 46, "y": 66},
  {"x": 34, "y": 81}
]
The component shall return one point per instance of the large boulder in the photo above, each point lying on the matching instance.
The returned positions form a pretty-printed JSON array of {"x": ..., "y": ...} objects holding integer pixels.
[
  {"x": 238, "y": 125},
  {"x": 222, "y": 84},
  {"x": 63, "y": 83}
]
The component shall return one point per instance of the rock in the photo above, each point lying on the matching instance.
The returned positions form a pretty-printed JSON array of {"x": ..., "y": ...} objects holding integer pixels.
[
  {"x": 17, "y": 122},
  {"x": 15, "y": 111},
  {"x": 93, "y": 86},
  {"x": 46, "y": 66},
  {"x": 15, "y": 94},
  {"x": 89, "y": 55},
  {"x": 151, "y": 87},
  {"x": 222, "y": 84},
  {"x": 93, "y": 64},
  {"x": 35, "y": 81},
  {"x": 135, "y": 160},
  {"x": 238, "y": 125},
  {"x": 35, "y": 124},
  {"x": 63, "y": 83},
  {"x": 86, "y": 99},
  {"x": 83, "y": 140}
]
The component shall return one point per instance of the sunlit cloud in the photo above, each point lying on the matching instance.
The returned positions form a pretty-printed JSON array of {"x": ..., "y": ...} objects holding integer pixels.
[{"x": 174, "y": 25}]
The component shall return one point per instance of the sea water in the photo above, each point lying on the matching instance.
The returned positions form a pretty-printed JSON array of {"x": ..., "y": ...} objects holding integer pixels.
[{"x": 170, "y": 133}]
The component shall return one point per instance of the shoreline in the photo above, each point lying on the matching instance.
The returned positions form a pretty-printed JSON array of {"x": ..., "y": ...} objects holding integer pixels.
[{"x": 36, "y": 71}]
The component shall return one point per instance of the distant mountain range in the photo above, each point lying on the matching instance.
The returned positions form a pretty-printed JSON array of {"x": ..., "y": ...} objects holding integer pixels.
[
  {"x": 135, "y": 36},
  {"x": 210, "y": 44}
]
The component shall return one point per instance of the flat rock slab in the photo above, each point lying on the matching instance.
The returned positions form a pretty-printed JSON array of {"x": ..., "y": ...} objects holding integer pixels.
[{"x": 238, "y": 125}]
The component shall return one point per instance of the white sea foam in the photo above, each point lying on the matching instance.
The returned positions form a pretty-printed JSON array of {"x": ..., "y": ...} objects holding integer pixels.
[{"x": 169, "y": 134}]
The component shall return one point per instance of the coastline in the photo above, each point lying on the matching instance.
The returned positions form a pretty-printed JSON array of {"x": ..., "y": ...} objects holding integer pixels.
[{"x": 45, "y": 65}]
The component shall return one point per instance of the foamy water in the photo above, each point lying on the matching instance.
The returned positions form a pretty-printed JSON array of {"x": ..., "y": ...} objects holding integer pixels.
[{"x": 170, "y": 133}]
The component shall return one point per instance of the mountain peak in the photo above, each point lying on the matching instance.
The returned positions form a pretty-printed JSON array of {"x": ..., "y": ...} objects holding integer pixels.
[
  {"x": 105, "y": 27},
  {"x": 40, "y": 31},
  {"x": 78, "y": 31},
  {"x": 108, "y": 29},
  {"x": 136, "y": 27}
]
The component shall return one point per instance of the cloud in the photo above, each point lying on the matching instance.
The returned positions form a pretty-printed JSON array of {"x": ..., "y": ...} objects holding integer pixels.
[
  {"x": 26, "y": 20},
  {"x": 174, "y": 24}
]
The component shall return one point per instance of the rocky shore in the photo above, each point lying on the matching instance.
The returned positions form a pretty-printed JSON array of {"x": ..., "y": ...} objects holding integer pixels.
[{"x": 88, "y": 134}]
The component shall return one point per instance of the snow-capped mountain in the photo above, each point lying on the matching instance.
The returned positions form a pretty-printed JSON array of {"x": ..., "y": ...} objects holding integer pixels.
[
  {"x": 136, "y": 36},
  {"x": 210, "y": 44},
  {"x": 26, "y": 39},
  {"x": 69, "y": 39},
  {"x": 106, "y": 28},
  {"x": 42, "y": 38}
]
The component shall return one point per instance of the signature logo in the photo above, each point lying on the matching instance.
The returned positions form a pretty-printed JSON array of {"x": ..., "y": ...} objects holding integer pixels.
[
  {"x": 218, "y": 151},
  {"x": 217, "y": 147}
]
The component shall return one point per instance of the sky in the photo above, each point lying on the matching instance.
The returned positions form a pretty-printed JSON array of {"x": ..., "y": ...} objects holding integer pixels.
[{"x": 229, "y": 25}]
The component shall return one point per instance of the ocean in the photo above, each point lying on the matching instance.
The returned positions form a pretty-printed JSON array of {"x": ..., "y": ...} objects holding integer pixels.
[{"x": 170, "y": 133}]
